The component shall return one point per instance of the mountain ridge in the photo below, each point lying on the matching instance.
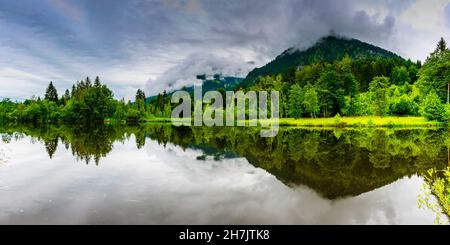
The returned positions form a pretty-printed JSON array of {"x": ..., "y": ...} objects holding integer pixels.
[{"x": 326, "y": 49}]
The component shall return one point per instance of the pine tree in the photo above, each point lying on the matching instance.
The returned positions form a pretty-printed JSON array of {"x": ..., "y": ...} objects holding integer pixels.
[
  {"x": 97, "y": 83},
  {"x": 81, "y": 85},
  {"x": 441, "y": 46},
  {"x": 74, "y": 90},
  {"x": 67, "y": 95},
  {"x": 88, "y": 83},
  {"x": 140, "y": 100},
  {"x": 350, "y": 83},
  {"x": 434, "y": 74},
  {"x": 51, "y": 94},
  {"x": 140, "y": 95}
]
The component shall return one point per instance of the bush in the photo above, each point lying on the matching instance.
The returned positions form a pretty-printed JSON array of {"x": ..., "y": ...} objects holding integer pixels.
[
  {"x": 133, "y": 115},
  {"x": 432, "y": 108},
  {"x": 403, "y": 106}
]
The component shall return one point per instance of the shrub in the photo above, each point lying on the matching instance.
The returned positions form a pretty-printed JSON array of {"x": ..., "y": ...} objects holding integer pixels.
[
  {"x": 403, "y": 106},
  {"x": 432, "y": 107}
]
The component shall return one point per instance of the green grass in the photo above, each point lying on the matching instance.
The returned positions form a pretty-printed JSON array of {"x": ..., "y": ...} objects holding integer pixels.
[
  {"x": 157, "y": 119},
  {"x": 163, "y": 120},
  {"x": 343, "y": 122},
  {"x": 363, "y": 121}
]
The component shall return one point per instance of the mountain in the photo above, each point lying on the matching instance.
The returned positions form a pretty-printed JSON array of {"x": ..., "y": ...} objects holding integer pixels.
[
  {"x": 210, "y": 83},
  {"x": 213, "y": 83},
  {"x": 327, "y": 49}
]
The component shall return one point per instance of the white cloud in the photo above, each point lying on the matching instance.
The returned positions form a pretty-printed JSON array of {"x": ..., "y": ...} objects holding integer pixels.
[
  {"x": 184, "y": 73},
  {"x": 425, "y": 15}
]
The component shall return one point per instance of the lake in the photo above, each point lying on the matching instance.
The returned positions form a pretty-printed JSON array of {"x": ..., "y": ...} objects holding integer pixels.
[{"x": 160, "y": 174}]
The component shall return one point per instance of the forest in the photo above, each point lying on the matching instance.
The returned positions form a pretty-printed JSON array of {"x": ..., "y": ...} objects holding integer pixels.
[
  {"x": 365, "y": 87},
  {"x": 348, "y": 87}
]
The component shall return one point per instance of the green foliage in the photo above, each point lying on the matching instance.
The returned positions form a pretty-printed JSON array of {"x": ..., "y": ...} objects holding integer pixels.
[
  {"x": 132, "y": 115},
  {"x": 437, "y": 184},
  {"x": 328, "y": 49},
  {"x": 311, "y": 101},
  {"x": 296, "y": 101},
  {"x": 342, "y": 86},
  {"x": 378, "y": 95},
  {"x": 432, "y": 108},
  {"x": 6, "y": 108},
  {"x": 140, "y": 100},
  {"x": 435, "y": 75},
  {"x": 51, "y": 94},
  {"x": 362, "y": 105},
  {"x": 331, "y": 93},
  {"x": 403, "y": 106},
  {"x": 400, "y": 75},
  {"x": 85, "y": 104},
  {"x": 355, "y": 79}
]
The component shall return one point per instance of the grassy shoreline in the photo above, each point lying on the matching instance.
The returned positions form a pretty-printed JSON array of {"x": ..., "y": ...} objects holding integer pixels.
[
  {"x": 363, "y": 121},
  {"x": 344, "y": 122}
]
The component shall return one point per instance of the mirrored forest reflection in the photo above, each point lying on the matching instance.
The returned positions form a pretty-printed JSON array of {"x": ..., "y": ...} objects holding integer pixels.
[{"x": 335, "y": 163}]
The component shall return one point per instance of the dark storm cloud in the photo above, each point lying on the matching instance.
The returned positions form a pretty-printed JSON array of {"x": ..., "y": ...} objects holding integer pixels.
[
  {"x": 266, "y": 28},
  {"x": 269, "y": 26}
]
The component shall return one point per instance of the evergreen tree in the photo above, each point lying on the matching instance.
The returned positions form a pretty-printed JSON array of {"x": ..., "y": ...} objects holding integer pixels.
[
  {"x": 435, "y": 76},
  {"x": 140, "y": 95},
  {"x": 51, "y": 94},
  {"x": 140, "y": 100},
  {"x": 88, "y": 83},
  {"x": 159, "y": 103},
  {"x": 74, "y": 90},
  {"x": 349, "y": 80},
  {"x": 81, "y": 85},
  {"x": 441, "y": 46},
  {"x": 97, "y": 83},
  {"x": 67, "y": 95}
]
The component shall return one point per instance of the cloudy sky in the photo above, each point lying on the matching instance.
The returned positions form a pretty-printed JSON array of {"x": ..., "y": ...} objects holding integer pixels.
[{"x": 154, "y": 44}]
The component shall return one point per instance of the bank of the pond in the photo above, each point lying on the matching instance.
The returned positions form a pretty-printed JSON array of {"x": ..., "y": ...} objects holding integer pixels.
[{"x": 363, "y": 121}]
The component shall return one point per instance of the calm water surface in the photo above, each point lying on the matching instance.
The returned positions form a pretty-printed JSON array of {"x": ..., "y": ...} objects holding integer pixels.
[{"x": 162, "y": 175}]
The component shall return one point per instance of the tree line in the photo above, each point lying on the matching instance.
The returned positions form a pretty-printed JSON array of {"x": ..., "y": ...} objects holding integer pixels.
[
  {"x": 347, "y": 87},
  {"x": 86, "y": 102}
]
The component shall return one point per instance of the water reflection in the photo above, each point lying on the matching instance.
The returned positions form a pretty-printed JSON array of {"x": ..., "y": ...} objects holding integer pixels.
[{"x": 160, "y": 174}]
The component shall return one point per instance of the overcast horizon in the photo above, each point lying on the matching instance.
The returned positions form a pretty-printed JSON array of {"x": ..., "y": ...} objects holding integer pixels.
[{"x": 150, "y": 44}]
